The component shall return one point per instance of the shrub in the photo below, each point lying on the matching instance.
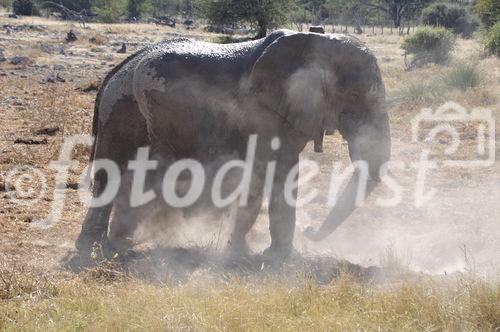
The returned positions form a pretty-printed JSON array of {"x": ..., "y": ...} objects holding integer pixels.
[
  {"x": 137, "y": 8},
  {"x": 109, "y": 11},
  {"x": 451, "y": 17},
  {"x": 463, "y": 75},
  {"x": 492, "y": 40},
  {"x": 429, "y": 44},
  {"x": 23, "y": 7},
  {"x": 488, "y": 11}
]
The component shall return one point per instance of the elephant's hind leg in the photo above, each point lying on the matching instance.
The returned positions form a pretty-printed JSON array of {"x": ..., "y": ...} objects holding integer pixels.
[
  {"x": 95, "y": 225},
  {"x": 117, "y": 141},
  {"x": 126, "y": 218}
]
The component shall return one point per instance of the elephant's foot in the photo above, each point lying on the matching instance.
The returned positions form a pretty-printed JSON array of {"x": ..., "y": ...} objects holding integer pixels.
[
  {"x": 237, "y": 254},
  {"x": 277, "y": 255},
  {"x": 237, "y": 247},
  {"x": 121, "y": 245},
  {"x": 94, "y": 247}
]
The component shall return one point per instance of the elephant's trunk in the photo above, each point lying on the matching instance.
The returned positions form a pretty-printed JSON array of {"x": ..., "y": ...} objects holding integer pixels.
[{"x": 371, "y": 144}]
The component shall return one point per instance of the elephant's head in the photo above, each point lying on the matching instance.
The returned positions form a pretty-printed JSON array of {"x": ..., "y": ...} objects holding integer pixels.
[{"x": 322, "y": 83}]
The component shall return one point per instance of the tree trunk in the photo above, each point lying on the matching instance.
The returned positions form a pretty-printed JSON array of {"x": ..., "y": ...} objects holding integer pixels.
[{"x": 396, "y": 16}]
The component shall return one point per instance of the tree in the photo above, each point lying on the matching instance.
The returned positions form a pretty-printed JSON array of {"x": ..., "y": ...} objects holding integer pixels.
[
  {"x": 109, "y": 11},
  {"x": 397, "y": 9},
  {"x": 5, "y": 3},
  {"x": 264, "y": 14},
  {"x": 488, "y": 11},
  {"x": 449, "y": 16},
  {"x": 136, "y": 8},
  {"x": 316, "y": 7},
  {"x": 23, "y": 7},
  {"x": 162, "y": 7},
  {"x": 350, "y": 11},
  {"x": 268, "y": 14},
  {"x": 301, "y": 16},
  {"x": 76, "y": 5}
]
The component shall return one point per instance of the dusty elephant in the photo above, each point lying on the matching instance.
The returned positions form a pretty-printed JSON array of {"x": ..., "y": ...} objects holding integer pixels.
[{"x": 191, "y": 99}]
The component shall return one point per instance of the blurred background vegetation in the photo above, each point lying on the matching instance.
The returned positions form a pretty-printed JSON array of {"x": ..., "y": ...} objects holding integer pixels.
[{"x": 258, "y": 17}]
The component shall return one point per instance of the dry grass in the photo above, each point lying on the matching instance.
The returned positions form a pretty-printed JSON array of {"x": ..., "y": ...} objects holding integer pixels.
[{"x": 459, "y": 303}]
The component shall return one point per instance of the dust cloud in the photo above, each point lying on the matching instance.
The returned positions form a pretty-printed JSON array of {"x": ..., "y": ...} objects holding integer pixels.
[{"x": 457, "y": 230}]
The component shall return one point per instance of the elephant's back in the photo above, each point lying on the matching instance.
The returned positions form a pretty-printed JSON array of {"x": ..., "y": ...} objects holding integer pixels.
[{"x": 185, "y": 47}]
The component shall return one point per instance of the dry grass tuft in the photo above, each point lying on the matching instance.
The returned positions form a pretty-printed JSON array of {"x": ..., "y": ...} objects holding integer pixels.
[
  {"x": 464, "y": 75},
  {"x": 420, "y": 92},
  {"x": 98, "y": 39}
]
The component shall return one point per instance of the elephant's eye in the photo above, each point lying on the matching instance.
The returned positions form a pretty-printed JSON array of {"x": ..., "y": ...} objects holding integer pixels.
[{"x": 355, "y": 94}]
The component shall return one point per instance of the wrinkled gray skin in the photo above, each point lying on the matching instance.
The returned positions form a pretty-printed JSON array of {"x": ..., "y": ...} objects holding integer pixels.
[{"x": 191, "y": 99}]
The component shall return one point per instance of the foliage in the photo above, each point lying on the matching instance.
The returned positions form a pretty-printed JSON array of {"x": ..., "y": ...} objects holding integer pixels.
[
  {"x": 264, "y": 14},
  {"x": 166, "y": 7},
  {"x": 219, "y": 12},
  {"x": 6, "y": 3},
  {"x": 451, "y": 17},
  {"x": 76, "y": 5},
  {"x": 301, "y": 16},
  {"x": 137, "y": 8},
  {"x": 397, "y": 9},
  {"x": 492, "y": 40},
  {"x": 317, "y": 9},
  {"x": 429, "y": 44},
  {"x": 488, "y": 11},
  {"x": 352, "y": 11},
  {"x": 109, "y": 11},
  {"x": 24, "y": 7}
]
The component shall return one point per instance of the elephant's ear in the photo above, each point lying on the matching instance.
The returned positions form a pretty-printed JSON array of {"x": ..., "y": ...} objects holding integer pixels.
[{"x": 292, "y": 77}]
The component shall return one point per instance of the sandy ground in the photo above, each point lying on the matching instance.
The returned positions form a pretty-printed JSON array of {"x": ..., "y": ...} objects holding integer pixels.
[{"x": 457, "y": 229}]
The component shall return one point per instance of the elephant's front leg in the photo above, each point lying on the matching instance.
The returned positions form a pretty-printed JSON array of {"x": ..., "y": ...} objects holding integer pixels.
[
  {"x": 245, "y": 218},
  {"x": 281, "y": 213}
]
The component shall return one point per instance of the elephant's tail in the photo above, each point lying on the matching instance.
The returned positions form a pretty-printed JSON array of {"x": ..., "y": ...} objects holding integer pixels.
[{"x": 95, "y": 123}]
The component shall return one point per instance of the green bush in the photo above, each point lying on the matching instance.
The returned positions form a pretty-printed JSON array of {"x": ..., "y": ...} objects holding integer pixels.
[
  {"x": 492, "y": 40},
  {"x": 24, "y": 7},
  {"x": 138, "y": 8},
  {"x": 451, "y": 17},
  {"x": 109, "y": 11},
  {"x": 488, "y": 11},
  {"x": 429, "y": 44}
]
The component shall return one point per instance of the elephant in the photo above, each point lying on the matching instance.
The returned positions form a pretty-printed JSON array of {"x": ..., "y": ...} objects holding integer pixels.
[{"x": 191, "y": 99}]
